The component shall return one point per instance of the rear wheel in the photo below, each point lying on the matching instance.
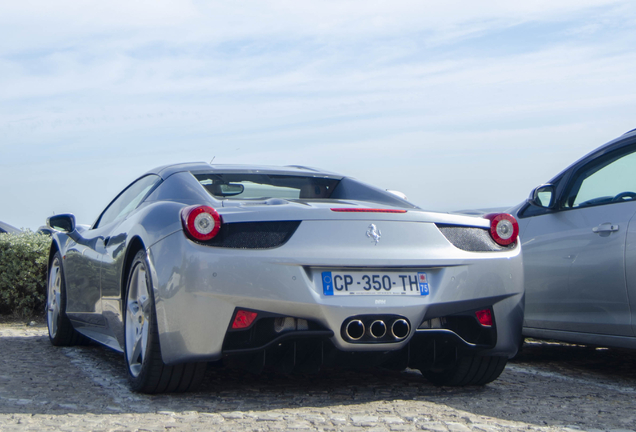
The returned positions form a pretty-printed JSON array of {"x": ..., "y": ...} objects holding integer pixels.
[
  {"x": 468, "y": 371},
  {"x": 146, "y": 371},
  {"x": 61, "y": 331}
]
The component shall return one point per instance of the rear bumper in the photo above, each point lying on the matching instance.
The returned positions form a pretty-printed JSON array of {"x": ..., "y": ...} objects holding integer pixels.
[
  {"x": 198, "y": 289},
  {"x": 309, "y": 347}
]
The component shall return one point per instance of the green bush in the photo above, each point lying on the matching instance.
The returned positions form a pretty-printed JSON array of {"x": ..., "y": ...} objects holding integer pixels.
[{"x": 23, "y": 267}]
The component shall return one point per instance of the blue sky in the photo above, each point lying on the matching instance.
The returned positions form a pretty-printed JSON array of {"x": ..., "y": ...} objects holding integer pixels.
[{"x": 458, "y": 104}]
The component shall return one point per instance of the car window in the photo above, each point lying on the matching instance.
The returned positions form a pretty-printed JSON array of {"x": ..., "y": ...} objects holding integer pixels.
[
  {"x": 608, "y": 181},
  {"x": 128, "y": 200},
  {"x": 263, "y": 186}
]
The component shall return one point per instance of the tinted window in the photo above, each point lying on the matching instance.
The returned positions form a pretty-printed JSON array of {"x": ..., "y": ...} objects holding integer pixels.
[
  {"x": 128, "y": 200},
  {"x": 612, "y": 179}
]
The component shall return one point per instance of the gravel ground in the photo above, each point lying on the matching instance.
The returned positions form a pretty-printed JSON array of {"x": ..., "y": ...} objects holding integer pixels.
[{"x": 548, "y": 387}]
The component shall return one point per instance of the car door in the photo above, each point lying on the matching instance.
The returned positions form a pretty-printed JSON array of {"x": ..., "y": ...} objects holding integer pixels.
[
  {"x": 547, "y": 256},
  {"x": 574, "y": 256},
  {"x": 89, "y": 262},
  {"x": 82, "y": 266}
]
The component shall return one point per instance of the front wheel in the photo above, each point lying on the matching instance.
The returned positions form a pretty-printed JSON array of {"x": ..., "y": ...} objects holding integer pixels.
[
  {"x": 468, "y": 371},
  {"x": 61, "y": 331},
  {"x": 146, "y": 371}
]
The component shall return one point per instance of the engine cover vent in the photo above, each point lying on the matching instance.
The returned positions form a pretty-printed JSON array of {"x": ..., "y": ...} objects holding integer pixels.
[{"x": 254, "y": 235}]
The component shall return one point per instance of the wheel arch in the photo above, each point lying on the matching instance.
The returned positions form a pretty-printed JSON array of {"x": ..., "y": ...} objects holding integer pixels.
[
  {"x": 54, "y": 248},
  {"x": 135, "y": 245}
]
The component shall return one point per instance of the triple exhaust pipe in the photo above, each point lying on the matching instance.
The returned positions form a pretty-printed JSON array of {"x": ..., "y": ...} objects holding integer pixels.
[{"x": 376, "y": 329}]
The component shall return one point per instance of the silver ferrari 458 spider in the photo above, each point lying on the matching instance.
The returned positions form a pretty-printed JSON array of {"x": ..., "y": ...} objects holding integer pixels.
[{"x": 290, "y": 268}]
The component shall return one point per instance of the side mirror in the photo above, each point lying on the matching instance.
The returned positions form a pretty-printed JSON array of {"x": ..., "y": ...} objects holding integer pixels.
[
  {"x": 62, "y": 222},
  {"x": 543, "y": 196}
]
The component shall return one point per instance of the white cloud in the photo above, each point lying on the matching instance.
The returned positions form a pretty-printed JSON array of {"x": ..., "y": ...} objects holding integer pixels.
[
  {"x": 439, "y": 99},
  {"x": 38, "y": 24}
]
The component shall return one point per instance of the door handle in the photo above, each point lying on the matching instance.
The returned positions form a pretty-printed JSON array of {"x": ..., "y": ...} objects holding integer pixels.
[{"x": 606, "y": 227}]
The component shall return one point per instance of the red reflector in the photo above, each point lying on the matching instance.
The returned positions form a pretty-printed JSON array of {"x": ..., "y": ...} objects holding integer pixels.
[
  {"x": 484, "y": 317},
  {"x": 366, "y": 210},
  {"x": 243, "y": 319}
]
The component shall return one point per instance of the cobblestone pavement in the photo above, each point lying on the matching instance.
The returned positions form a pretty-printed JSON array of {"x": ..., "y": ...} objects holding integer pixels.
[{"x": 548, "y": 387}]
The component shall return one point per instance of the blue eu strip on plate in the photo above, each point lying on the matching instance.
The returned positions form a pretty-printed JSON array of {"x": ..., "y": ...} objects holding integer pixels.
[{"x": 327, "y": 283}]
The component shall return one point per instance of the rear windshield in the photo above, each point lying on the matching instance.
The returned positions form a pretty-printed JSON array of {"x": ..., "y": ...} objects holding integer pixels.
[{"x": 264, "y": 186}]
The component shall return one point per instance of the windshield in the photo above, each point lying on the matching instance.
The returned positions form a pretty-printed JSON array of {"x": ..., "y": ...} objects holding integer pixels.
[{"x": 264, "y": 186}]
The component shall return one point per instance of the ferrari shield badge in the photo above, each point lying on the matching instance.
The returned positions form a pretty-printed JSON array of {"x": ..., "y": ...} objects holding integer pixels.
[{"x": 374, "y": 233}]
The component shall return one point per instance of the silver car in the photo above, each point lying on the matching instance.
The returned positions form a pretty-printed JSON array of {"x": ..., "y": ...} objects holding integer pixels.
[
  {"x": 579, "y": 244},
  {"x": 290, "y": 268}
]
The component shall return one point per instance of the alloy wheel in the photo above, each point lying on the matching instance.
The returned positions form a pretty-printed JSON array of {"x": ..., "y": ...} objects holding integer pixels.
[
  {"x": 54, "y": 297},
  {"x": 138, "y": 306}
]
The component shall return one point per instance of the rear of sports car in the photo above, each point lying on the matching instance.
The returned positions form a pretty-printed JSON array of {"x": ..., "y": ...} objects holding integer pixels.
[{"x": 299, "y": 285}]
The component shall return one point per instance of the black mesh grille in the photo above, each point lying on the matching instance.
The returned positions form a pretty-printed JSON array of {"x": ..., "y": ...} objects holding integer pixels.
[
  {"x": 254, "y": 235},
  {"x": 472, "y": 239}
]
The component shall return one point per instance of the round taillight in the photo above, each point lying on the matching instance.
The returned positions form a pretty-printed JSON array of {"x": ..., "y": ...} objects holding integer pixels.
[
  {"x": 504, "y": 228},
  {"x": 200, "y": 222}
]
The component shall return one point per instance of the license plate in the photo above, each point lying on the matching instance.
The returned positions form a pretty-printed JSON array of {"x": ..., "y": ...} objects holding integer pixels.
[{"x": 374, "y": 283}]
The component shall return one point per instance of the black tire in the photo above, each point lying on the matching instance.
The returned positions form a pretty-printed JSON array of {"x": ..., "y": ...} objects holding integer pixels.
[
  {"x": 147, "y": 372},
  {"x": 61, "y": 331},
  {"x": 468, "y": 371}
]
